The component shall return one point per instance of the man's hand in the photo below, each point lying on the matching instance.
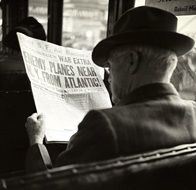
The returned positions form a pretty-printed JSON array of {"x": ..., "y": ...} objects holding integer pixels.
[{"x": 35, "y": 128}]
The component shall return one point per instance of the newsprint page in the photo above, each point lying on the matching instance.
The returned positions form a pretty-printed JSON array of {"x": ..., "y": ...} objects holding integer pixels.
[{"x": 66, "y": 84}]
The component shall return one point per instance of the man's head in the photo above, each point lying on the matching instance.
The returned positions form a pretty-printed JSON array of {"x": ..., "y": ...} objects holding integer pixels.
[
  {"x": 28, "y": 26},
  {"x": 146, "y": 39},
  {"x": 135, "y": 66}
]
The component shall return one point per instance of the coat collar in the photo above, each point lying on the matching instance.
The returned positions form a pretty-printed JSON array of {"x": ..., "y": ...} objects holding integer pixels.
[{"x": 149, "y": 92}]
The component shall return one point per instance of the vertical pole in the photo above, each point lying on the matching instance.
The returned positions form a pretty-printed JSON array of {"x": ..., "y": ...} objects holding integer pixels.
[
  {"x": 55, "y": 20},
  {"x": 115, "y": 9},
  {"x": 112, "y": 15}
]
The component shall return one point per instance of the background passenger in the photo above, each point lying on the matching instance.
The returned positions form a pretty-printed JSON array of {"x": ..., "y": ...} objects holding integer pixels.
[{"x": 16, "y": 98}]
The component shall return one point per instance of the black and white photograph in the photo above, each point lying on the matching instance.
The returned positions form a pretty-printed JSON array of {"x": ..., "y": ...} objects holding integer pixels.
[{"x": 97, "y": 94}]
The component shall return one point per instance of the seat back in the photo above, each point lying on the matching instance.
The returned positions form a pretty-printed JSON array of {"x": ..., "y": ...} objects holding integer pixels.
[
  {"x": 172, "y": 168},
  {"x": 17, "y": 104}
]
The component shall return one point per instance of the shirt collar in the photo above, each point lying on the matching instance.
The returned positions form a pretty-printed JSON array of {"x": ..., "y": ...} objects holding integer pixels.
[{"x": 149, "y": 92}]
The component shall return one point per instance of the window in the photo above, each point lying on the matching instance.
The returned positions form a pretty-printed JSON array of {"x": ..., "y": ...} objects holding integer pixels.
[
  {"x": 84, "y": 23},
  {"x": 139, "y": 3},
  {"x": 184, "y": 77}
]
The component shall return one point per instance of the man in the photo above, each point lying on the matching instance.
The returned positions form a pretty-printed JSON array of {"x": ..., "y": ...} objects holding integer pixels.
[{"x": 149, "y": 114}]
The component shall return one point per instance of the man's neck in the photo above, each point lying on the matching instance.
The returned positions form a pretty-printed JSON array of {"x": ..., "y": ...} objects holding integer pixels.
[
  {"x": 139, "y": 81},
  {"x": 145, "y": 80}
]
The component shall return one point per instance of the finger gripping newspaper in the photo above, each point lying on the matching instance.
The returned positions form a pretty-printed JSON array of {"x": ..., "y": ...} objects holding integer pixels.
[{"x": 65, "y": 83}]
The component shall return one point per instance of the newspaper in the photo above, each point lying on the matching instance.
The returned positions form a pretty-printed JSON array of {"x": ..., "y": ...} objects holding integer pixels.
[{"x": 65, "y": 83}]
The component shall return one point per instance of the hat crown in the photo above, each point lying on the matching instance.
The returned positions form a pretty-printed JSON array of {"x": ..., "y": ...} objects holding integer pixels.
[
  {"x": 29, "y": 26},
  {"x": 146, "y": 18}
]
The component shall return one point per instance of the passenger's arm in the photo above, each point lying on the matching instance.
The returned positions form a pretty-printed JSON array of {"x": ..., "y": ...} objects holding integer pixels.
[{"x": 37, "y": 157}]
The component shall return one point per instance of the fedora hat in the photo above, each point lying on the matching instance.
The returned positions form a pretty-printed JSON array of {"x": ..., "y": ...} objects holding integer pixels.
[
  {"x": 29, "y": 26},
  {"x": 144, "y": 26}
]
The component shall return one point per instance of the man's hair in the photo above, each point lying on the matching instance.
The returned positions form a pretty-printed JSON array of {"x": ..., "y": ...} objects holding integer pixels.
[{"x": 155, "y": 59}]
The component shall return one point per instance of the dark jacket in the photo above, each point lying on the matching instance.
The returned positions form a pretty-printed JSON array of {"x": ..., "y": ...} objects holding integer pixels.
[{"x": 151, "y": 117}]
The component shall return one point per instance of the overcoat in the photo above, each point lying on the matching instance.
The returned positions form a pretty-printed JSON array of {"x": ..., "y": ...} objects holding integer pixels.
[{"x": 151, "y": 117}]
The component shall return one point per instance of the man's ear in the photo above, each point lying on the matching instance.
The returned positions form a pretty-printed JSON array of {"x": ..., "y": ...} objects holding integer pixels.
[{"x": 134, "y": 62}]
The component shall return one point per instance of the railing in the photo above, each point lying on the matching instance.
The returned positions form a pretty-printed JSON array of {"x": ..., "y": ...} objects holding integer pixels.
[{"x": 171, "y": 168}]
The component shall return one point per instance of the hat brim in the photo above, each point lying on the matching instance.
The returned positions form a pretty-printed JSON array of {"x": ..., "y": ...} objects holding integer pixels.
[{"x": 176, "y": 42}]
